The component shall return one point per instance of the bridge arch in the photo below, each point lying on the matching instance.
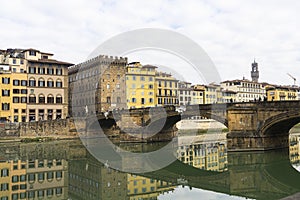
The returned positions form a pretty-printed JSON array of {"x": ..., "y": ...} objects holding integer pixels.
[{"x": 280, "y": 124}]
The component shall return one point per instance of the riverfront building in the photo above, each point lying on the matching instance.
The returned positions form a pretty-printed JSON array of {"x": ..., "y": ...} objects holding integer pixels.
[
  {"x": 246, "y": 90},
  {"x": 33, "y": 86},
  {"x": 185, "y": 93},
  {"x": 139, "y": 187},
  {"x": 166, "y": 87},
  {"x": 282, "y": 93},
  {"x": 140, "y": 81},
  {"x": 97, "y": 85}
]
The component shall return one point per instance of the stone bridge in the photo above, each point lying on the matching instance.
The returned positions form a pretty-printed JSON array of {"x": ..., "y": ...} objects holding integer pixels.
[{"x": 251, "y": 125}]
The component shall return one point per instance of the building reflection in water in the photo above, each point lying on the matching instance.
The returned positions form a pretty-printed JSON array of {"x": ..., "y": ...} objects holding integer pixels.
[
  {"x": 295, "y": 150},
  {"x": 27, "y": 175},
  {"x": 68, "y": 171},
  {"x": 204, "y": 155}
]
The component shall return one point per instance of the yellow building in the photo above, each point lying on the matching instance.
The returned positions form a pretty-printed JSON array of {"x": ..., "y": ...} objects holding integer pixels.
[
  {"x": 18, "y": 184},
  {"x": 197, "y": 96},
  {"x": 166, "y": 87},
  {"x": 206, "y": 156},
  {"x": 140, "y": 187},
  {"x": 6, "y": 93},
  {"x": 140, "y": 81},
  {"x": 34, "y": 86},
  {"x": 228, "y": 96},
  {"x": 5, "y": 180},
  {"x": 294, "y": 149},
  {"x": 282, "y": 93}
]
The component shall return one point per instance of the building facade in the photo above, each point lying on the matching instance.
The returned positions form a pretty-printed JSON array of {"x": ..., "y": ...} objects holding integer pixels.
[
  {"x": 282, "y": 93},
  {"x": 140, "y": 81},
  {"x": 166, "y": 87},
  {"x": 35, "y": 86},
  {"x": 245, "y": 90},
  {"x": 185, "y": 92},
  {"x": 97, "y": 85}
]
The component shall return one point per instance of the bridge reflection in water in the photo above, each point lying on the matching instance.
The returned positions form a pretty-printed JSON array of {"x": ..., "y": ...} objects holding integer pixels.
[{"x": 63, "y": 170}]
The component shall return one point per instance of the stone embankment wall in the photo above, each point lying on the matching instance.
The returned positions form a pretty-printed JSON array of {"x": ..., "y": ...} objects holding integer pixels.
[{"x": 55, "y": 128}]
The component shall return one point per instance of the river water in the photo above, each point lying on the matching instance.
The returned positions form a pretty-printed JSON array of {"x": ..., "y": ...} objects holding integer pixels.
[{"x": 203, "y": 170}]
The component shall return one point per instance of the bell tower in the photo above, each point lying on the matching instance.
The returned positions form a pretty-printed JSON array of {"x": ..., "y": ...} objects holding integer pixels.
[{"x": 254, "y": 72}]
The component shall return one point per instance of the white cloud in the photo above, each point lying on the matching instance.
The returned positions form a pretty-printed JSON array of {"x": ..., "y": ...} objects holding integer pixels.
[{"x": 232, "y": 32}]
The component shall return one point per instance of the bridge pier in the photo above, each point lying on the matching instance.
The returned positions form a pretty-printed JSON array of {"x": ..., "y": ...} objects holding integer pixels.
[{"x": 247, "y": 141}]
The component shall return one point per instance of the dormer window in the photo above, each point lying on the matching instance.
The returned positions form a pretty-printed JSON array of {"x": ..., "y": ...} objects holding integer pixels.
[
  {"x": 45, "y": 57},
  {"x": 32, "y": 53}
]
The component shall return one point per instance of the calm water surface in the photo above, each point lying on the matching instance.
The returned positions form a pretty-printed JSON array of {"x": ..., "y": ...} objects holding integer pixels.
[{"x": 204, "y": 170}]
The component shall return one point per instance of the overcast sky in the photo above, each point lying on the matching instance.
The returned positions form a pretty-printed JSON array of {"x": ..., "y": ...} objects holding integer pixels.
[{"x": 232, "y": 33}]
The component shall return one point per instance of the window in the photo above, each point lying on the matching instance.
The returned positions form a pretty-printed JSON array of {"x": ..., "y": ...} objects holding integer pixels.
[
  {"x": 23, "y": 99},
  {"x": 107, "y": 86},
  {"x": 50, "y": 99},
  {"x": 15, "y": 179},
  {"x": 22, "y": 178},
  {"x": 108, "y": 100},
  {"x": 4, "y": 172},
  {"x": 118, "y": 77},
  {"x": 40, "y": 193},
  {"x": 58, "y": 191},
  {"x": 32, "y": 53},
  {"x": 31, "y": 177},
  {"x": 50, "y": 83},
  {"x": 23, "y": 82},
  {"x": 142, "y": 86},
  {"x": 6, "y": 93},
  {"x": 58, "y": 71},
  {"x": 14, "y": 70},
  {"x": 41, "y": 70},
  {"x": 4, "y": 187},
  {"x": 49, "y": 192},
  {"x": 133, "y": 100},
  {"x": 14, "y": 61},
  {"x": 16, "y": 110},
  {"x": 58, "y": 83},
  {"x": 118, "y": 86},
  {"x": 22, "y": 61},
  {"x": 41, "y": 82},
  {"x": 150, "y": 78},
  {"x": 23, "y": 194},
  {"x": 58, "y": 99},
  {"x": 50, "y": 71},
  {"x": 16, "y": 99},
  {"x": 150, "y": 86},
  {"x": 49, "y": 175},
  {"x": 58, "y": 174},
  {"x": 32, "y": 99},
  {"x": 41, "y": 176},
  {"x": 150, "y": 100},
  {"x": 143, "y": 100},
  {"x": 133, "y": 78},
  {"x": 32, "y": 82},
  {"x": 5, "y": 80},
  {"x": 5, "y": 106},
  {"x": 142, "y": 78},
  {"x": 23, "y": 91},
  {"x": 16, "y": 91},
  {"x": 32, "y": 70},
  {"x": 118, "y": 99},
  {"x": 41, "y": 98}
]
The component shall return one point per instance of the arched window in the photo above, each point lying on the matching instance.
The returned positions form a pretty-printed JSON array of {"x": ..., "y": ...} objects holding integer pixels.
[
  {"x": 50, "y": 83},
  {"x": 32, "y": 98},
  {"x": 32, "y": 82},
  {"x": 41, "y": 98},
  {"x": 59, "y": 83},
  {"x": 58, "y": 99},
  {"x": 50, "y": 98},
  {"x": 41, "y": 82}
]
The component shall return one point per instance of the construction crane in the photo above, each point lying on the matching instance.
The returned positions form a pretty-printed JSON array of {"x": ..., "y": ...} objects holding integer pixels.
[{"x": 292, "y": 78}]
